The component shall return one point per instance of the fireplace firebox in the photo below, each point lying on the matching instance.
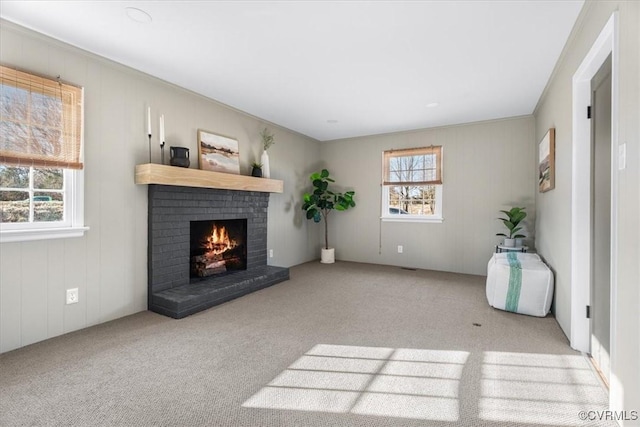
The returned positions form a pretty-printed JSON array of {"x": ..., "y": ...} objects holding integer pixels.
[{"x": 217, "y": 247}]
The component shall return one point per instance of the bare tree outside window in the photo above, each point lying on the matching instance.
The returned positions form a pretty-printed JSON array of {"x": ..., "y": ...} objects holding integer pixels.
[{"x": 412, "y": 199}]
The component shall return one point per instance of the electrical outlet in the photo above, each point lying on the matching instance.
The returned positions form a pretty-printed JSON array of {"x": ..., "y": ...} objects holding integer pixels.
[
  {"x": 400, "y": 249},
  {"x": 270, "y": 253},
  {"x": 72, "y": 296}
]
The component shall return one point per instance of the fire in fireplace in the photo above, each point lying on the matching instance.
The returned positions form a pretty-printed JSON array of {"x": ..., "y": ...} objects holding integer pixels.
[{"x": 218, "y": 247}]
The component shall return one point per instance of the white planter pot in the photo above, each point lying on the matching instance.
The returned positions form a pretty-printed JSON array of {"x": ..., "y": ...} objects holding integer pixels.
[
  {"x": 328, "y": 256},
  {"x": 510, "y": 243},
  {"x": 519, "y": 242},
  {"x": 264, "y": 159}
]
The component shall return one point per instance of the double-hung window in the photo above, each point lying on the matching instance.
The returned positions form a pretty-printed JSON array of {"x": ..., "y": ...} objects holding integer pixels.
[
  {"x": 412, "y": 184},
  {"x": 41, "y": 180}
]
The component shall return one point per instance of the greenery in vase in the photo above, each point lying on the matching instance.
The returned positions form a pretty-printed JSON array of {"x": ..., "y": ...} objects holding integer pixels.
[
  {"x": 267, "y": 139},
  {"x": 513, "y": 219},
  {"x": 322, "y": 201}
]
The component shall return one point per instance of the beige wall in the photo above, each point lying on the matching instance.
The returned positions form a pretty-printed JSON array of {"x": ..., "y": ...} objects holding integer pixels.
[
  {"x": 554, "y": 207},
  {"x": 488, "y": 166},
  {"x": 109, "y": 263}
]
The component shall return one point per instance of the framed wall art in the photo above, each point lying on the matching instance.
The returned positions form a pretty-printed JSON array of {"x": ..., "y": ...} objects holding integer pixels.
[
  {"x": 547, "y": 162},
  {"x": 218, "y": 153}
]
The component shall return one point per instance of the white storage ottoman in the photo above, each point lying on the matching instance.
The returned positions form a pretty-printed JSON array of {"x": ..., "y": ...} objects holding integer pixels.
[{"x": 520, "y": 283}]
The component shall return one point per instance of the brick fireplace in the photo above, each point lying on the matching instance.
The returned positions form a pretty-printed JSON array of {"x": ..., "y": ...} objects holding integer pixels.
[{"x": 172, "y": 212}]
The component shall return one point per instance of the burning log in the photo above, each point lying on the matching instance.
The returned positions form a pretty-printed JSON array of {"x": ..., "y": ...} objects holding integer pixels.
[
  {"x": 207, "y": 264},
  {"x": 207, "y": 258},
  {"x": 201, "y": 270},
  {"x": 210, "y": 264}
]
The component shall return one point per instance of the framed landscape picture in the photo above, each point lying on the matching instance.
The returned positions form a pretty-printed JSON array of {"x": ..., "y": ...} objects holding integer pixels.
[
  {"x": 547, "y": 162},
  {"x": 218, "y": 153}
]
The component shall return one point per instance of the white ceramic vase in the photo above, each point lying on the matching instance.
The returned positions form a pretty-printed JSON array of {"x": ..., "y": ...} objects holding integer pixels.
[
  {"x": 265, "y": 165},
  {"x": 328, "y": 256},
  {"x": 510, "y": 243}
]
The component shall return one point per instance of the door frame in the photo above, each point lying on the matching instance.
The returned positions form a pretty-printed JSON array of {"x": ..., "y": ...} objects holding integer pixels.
[{"x": 581, "y": 216}]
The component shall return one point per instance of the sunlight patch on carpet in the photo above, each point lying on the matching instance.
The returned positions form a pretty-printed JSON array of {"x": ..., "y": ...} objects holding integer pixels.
[
  {"x": 403, "y": 383},
  {"x": 541, "y": 389}
]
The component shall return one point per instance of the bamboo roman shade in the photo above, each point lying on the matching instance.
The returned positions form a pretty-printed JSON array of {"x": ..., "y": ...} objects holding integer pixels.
[
  {"x": 413, "y": 166},
  {"x": 40, "y": 121}
]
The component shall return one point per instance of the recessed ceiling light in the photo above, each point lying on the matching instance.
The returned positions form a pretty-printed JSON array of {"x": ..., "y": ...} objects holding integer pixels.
[
  {"x": 138, "y": 15},
  {"x": 432, "y": 105},
  {"x": 332, "y": 121}
]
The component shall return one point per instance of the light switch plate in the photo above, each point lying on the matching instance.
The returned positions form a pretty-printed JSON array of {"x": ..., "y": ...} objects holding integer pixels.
[{"x": 622, "y": 156}]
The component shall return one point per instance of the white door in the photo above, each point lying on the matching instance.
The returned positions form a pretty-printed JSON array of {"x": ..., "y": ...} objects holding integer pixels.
[{"x": 601, "y": 217}]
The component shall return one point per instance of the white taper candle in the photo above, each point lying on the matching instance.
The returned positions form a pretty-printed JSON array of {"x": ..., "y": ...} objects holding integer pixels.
[
  {"x": 162, "y": 129},
  {"x": 148, "y": 120}
]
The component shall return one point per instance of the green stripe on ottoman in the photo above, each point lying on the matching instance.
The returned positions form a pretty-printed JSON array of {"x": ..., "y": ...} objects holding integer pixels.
[{"x": 515, "y": 282}]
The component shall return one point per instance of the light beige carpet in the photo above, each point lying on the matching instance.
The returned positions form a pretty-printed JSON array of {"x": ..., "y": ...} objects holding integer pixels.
[{"x": 338, "y": 345}]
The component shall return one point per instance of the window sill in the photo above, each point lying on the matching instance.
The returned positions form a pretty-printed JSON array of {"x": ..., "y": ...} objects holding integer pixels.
[
  {"x": 409, "y": 218},
  {"x": 8, "y": 236}
]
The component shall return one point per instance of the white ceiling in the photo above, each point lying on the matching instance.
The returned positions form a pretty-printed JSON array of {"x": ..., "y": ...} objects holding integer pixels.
[{"x": 372, "y": 66}]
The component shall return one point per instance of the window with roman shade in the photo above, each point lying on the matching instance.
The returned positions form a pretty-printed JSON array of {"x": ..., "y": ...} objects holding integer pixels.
[{"x": 41, "y": 177}]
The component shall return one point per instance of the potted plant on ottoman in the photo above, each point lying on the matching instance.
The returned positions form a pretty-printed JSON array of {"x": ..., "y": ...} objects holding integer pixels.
[
  {"x": 319, "y": 205},
  {"x": 513, "y": 219}
]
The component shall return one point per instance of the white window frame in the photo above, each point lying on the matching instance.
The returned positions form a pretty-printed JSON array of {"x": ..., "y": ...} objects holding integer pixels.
[
  {"x": 72, "y": 224},
  {"x": 436, "y": 217},
  {"x": 387, "y": 217}
]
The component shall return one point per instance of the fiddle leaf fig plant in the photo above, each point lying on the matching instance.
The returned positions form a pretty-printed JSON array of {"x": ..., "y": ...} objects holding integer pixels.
[
  {"x": 319, "y": 203},
  {"x": 512, "y": 222}
]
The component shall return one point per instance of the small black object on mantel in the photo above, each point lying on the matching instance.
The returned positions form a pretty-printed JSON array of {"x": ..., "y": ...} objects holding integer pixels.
[
  {"x": 179, "y": 157},
  {"x": 256, "y": 171}
]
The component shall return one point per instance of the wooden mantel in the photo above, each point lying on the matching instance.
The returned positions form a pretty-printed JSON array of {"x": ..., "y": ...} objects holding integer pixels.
[{"x": 151, "y": 173}]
